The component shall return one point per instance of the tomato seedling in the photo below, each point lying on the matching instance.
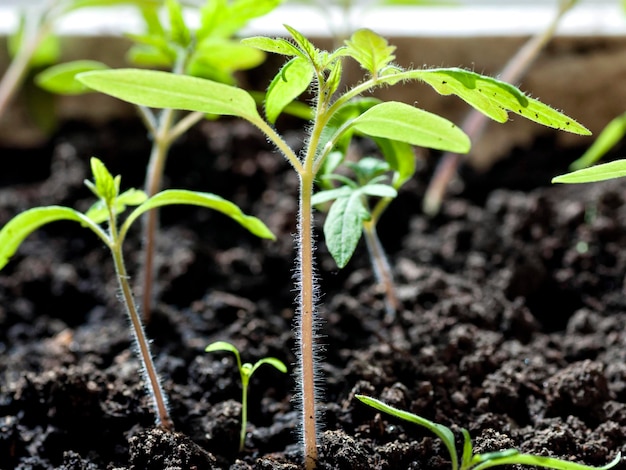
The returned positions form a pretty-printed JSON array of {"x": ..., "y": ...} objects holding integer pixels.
[
  {"x": 245, "y": 372},
  {"x": 110, "y": 204}
]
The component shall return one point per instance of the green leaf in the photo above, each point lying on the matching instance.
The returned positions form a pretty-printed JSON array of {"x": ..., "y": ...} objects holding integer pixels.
[
  {"x": 222, "y": 346},
  {"x": 405, "y": 123},
  {"x": 538, "y": 461},
  {"x": 330, "y": 195},
  {"x": 442, "y": 432},
  {"x": 276, "y": 46},
  {"x": 378, "y": 190},
  {"x": 272, "y": 361},
  {"x": 370, "y": 50},
  {"x": 343, "y": 227},
  {"x": 310, "y": 51},
  {"x": 401, "y": 159},
  {"x": 493, "y": 98},
  {"x": 221, "y": 18},
  {"x": 99, "y": 212},
  {"x": 105, "y": 185},
  {"x": 292, "y": 80},
  {"x": 179, "y": 32},
  {"x": 211, "y": 201},
  {"x": 605, "y": 171},
  {"x": 61, "y": 79},
  {"x": 608, "y": 138},
  {"x": 218, "y": 59},
  {"x": 167, "y": 90},
  {"x": 22, "y": 225},
  {"x": 368, "y": 168}
]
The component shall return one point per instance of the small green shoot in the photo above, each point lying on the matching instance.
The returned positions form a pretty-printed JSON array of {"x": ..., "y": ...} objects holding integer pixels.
[
  {"x": 602, "y": 172},
  {"x": 472, "y": 461},
  {"x": 394, "y": 121},
  {"x": 110, "y": 204},
  {"x": 245, "y": 371}
]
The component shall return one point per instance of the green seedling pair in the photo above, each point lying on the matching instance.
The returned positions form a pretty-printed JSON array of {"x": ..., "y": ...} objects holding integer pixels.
[{"x": 245, "y": 372}]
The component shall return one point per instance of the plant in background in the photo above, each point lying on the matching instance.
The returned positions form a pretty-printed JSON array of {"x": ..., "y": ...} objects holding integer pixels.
[
  {"x": 34, "y": 44},
  {"x": 472, "y": 461},
  {"x": 309, "y": 68},
  {"x": 359, "y": 203},
  {"x": 245, "y": 372},
  {"x": 210, "y": 51},
  {"x": 111, "y": 203},
  {"x": 475, "y": 123}
]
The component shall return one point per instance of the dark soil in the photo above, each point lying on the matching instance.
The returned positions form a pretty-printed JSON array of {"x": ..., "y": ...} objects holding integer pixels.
[{"x": 512, "y": 324}]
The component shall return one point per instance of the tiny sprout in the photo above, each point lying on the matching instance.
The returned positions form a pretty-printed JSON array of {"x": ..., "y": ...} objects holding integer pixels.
[
  {"x": 245, "y": 371},
  {"x": 472, "y": 461}
]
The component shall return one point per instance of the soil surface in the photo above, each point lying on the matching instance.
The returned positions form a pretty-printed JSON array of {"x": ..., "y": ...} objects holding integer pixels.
[{"x": 512, "y": 320}]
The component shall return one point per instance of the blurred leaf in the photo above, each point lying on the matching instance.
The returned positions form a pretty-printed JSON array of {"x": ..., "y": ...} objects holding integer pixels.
[
  {"x": 605, "y": 171},
  {"x": 293, "y": 79},
  {"x": 61, "y": 79},
  {"x": 370, "y": 50}
]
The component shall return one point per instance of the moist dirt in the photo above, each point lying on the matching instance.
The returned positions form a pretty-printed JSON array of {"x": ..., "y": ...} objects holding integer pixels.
[{"x": 512, "y": 319}]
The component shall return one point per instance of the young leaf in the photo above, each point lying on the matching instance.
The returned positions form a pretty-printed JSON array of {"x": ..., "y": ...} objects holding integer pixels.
[
  {"x": 22, "y": 225},
  {"x": 179, "y": 32},
  {"x": 61, "y": 79},
  {"x": 106, "y": 186},
  {"x": 442, "y": 432},
  {"x": 343, "y": 227},
  {"x": 276, "y": 46},
  {"x": 370, "y": 50},
  {"x": 405, "y": 123},
  {"x": 224, "y": 346},
  {"x": 400, "y": 157},
  {"x": 292, "y": 80},
  {"x": 211, "y": 201},
  {"x": 99, "y": 213},
  {"x": 272, "y": 361},
  {"x": 311, "y": 52},
  {"x": 167, "y": 90},
  {"x": 330, "y": 195},
  {"x": 514, "y": 457},
  {"x": 379, "y": 190},
  {"x": 494, "y": 98},
  {"x": 608, "y": 138},
  {"x": 605, "y": 171}
]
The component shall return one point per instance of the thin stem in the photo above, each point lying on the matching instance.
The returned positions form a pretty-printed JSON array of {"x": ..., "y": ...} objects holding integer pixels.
[
  {"x": 154, "y": 178},
  {"x": 36, "y": 29},
  {"x": 306, "y": 321},
  {"x": 278, "y": 141},
  {"x": 382, "y": 270},
  {"x": 244, "y": 411},
  {"x": 153, "y": 384}
]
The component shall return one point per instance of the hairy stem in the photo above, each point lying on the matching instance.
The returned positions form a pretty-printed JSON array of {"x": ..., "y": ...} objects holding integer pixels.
[
  {"x": 306, "y": 283},
  {"x": 382, "y": 270},
  {"x": 153, "y": 384}
]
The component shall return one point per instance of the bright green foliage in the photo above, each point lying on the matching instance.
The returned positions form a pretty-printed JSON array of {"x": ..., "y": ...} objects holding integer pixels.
[
  {"x": 405, "y": 123},
  {"x": 610, "y": 136},
  {"x": 605, "y": 171},
  {"x": 493, "y": 97},
  {"x": 156, "y": 89},
  {"x": 61, "y": 78},
  {"x": 294, "y": 79},
  {"x": 471, "y": 461},
  {"x": 371, "y": 51},
  {"x": 245, "y": 371},
  {"x": 106, "y": 188}
]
